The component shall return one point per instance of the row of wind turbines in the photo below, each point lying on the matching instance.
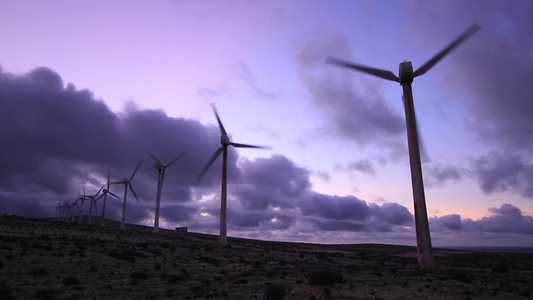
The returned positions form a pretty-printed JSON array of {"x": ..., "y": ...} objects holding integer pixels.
[
  {"x": 64, "y": 210},
  {"x": 405, "y": 78}
]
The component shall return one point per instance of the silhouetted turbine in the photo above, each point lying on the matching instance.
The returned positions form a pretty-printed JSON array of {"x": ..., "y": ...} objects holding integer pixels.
[
  {"x": 82, "y": 199},
  {"x": 93, "y": 202},
  {"x": 104, "y": 194},
  {"x": 160, "y": 167},
  {"x": 127, "y": 183},
  {"x": 406, "y": 76},
  {"x": 224, "y": 140}
]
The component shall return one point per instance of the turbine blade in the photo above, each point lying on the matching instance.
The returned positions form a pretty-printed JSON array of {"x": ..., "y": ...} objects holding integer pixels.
[
  {"x": 222, "y": 130},
  {"x": 98, "y": 191},
  {"x": 103, "y": 194},
  {"x": 213, "y": 158},
  {"x": 117, "y": 182},
  {"x": 425, "y": 67},
  {"x": 137, "y": 168},
  {"x": 107, "y": 181},
  {"x": 178, "y": 157},
  {"x": 249, "y": 146},
  {"x": 376, "y": 72},
  {"x": 114, "y": 195},
  {"x": 133, "y": 192},
  {"x": 154, "y": 158}
]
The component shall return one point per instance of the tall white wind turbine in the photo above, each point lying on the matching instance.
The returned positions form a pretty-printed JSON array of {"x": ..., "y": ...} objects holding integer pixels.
[
  {"x": 160, "y": 167},
  {"x": 104, "y": 194},
  {"x": 127, "y": 184},
  {"x": 224, "y": 140},
  {"x": 405, "y": 78}
]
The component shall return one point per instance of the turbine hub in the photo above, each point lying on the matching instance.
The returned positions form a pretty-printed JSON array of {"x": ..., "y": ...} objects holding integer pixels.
[
  {"x": 224, "y": 140},
  {"x": 406, "y": 72}
]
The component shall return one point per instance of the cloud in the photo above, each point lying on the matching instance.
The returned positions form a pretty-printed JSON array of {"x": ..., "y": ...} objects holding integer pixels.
[
  {"x": 363, "y": 165},
  {"x": 439, "y": 175},
  {"x": 57, "y": 140},
  {"x": 353, "y": 111},
  {"x": 274, "y": 181},
  {"x": 507, "y": 219},
  {"x": 243, "y": 73},
  {"x": 501, "y": 172}
]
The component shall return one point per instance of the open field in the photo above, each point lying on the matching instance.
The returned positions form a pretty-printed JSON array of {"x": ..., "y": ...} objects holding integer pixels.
[{"x": 45, "y": 259}]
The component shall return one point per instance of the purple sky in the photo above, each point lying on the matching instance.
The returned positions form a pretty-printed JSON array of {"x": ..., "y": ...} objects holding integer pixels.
[{"x": 89, "y": 87}]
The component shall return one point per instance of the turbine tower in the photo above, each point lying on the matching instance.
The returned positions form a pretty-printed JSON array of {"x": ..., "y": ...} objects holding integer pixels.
[
  {"x": 73, "y": 204},
  {"x": 406, "y": 75},
  {"x": 93, "y": 202},
  {"x": 104, "y": 194},
  {"x": 224, "y": 140},
  {"x": 82, "y": 200},
  {"x": 160, "y": 167},
  {"x": 127, "y": 184}
]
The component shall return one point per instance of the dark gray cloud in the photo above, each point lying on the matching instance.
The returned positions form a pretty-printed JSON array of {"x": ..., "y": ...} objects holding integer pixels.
[
  {"x": 502, "y": 172},
  {"x": 354, "y": 111},
  {"x": 438, "y": 175},
  {"x": 57, "y": 140},
  {"x": 507, "y": 219},
  {"x": 363, "y": 165},
  {"x": 274, "y": 181}
]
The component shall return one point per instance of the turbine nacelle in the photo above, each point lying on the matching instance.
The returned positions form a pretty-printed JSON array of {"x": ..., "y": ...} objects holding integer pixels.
[{"x": 406, "y": 72}]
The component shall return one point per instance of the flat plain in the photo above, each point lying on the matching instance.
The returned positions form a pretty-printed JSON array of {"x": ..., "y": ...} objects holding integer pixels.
[{"x": 47, "y": 259}]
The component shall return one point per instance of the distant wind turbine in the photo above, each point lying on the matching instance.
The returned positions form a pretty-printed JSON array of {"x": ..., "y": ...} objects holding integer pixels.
[
  {"x": 406, "y": 75},
  {"x": 93, "y": 202},
  {"x": 82, "y": 200},
  {"x": 73, "y": 204},
  {"x": 160, "y": 167},
  {"x": 127, "y": 184},
  {"x": 104, "y": 194},
  {"x": 224, "y": 140}
]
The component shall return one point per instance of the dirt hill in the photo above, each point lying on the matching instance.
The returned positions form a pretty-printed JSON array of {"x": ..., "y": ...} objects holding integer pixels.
[{"x": 46, "y": 259}]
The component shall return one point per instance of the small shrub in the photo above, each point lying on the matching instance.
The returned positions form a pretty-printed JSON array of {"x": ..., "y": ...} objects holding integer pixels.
[
  {"x": 274, "y": 292},
  {"x": 45, "y": 294},
  {"x": 325, "y": 277},
  {"x": 6, "y": 293},
  {"x": 139, "y": 275},
  {"x": 70, "y": 280},
  {"x": 174, "y": 279},
  {"x": 460, "y": 276},
  {"x": 39, "y": 272},
  {"x": 501, "y": 267}
]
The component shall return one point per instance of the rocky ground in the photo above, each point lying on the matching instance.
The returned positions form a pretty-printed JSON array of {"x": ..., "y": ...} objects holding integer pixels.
[{"x": 45, "y": 259}]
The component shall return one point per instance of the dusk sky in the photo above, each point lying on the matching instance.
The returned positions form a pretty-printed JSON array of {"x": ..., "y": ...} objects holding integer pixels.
[{"x": 89, "y": 87}]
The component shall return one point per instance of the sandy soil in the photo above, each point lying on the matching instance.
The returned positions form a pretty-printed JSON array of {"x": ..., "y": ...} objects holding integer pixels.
[{"x": 45, "y": 259}]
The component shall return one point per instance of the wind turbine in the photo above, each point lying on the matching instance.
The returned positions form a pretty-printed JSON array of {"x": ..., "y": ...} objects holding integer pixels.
[
  {"x": 82, "y": 199},
  {"x": 104, "y": 194},
  {"x": 93, "y": 202},
  {"x": 127, "y": 183},
  {"x": 160, "y": 167},
  {"x": 224, "y": 140},
  {"x": 73, "y": 204},
  {"x": 405, "y": 78}
]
